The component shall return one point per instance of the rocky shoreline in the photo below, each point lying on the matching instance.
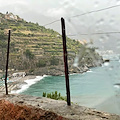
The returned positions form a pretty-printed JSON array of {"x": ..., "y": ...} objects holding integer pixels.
[
  {"x": 80, "y": 67},
  {"x": 50, "y": 106},
  {"x": 17, "y": 82},
  {"x": 59, "y": 70}
]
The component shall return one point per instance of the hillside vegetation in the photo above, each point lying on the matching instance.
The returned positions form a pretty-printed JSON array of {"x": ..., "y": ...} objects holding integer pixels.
[{"x": 38, "y": 50}]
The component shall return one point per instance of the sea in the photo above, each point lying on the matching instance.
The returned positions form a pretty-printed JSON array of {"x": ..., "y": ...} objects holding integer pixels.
[{"x": 97, "y": 88}]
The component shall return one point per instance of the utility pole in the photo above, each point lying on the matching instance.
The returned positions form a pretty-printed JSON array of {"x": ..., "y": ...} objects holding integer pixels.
[
  {"x": 65, "y": 61},
  {"x": 7, "y": 63}
]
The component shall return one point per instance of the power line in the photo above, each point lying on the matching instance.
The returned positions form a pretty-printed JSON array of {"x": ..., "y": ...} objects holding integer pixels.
[
  {"x": 107, "y": 33},
  {"x": 99, "y": 10},
  {"x": 98, "y": 33},
  {"x": 72, "y": 35},
  {"x": 51, "y": 22}
]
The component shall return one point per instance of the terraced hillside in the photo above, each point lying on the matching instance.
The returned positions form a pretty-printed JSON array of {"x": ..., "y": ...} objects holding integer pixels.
[{"x": 36, "y": 49}]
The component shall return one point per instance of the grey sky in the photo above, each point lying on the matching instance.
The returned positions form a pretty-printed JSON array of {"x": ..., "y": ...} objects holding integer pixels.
[
  {"x": 45, "y": 11},
  {"x": 52, "y": 8}
]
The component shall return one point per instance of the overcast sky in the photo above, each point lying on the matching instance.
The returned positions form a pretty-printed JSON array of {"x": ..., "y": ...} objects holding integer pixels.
[
  {"x": 45, "y": 11},
  {"x": 52, "y": 8}
]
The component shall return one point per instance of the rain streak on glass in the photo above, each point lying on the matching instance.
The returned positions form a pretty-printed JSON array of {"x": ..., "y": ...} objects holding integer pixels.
[
  {"x": 93, "y": 44},
  {"x": 99, "y": 27}
]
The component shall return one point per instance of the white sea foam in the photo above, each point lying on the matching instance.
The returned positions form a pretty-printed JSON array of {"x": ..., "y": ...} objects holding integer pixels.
[
  {"x": 106, "y": 64},
  {"x": 90, "y": 70},
  {"x": 28, "y": 84},
  {"x": 72, "y": 74},
  {"x": 117, "y": 86}
]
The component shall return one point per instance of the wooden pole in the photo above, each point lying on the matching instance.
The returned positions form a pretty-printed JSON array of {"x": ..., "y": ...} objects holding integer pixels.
[
  {"x": 7, "y": 63},
  {"x": 65, "y": 61}
]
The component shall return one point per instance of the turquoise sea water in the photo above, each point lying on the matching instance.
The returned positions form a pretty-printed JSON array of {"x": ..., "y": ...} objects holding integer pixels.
[{"x": 95, "y": 88}]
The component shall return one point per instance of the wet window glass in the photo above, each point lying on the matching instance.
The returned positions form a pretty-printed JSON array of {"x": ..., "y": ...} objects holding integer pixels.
[{"x": 36, "y": 48}]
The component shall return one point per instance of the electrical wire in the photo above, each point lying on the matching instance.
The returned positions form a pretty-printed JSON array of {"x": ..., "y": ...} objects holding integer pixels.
[
  {"x": 93, "y": 11},
  {"x": 99, "y": 10},
  {"x": 98, "y": 33},
  {"x": 51, "y": 23}
]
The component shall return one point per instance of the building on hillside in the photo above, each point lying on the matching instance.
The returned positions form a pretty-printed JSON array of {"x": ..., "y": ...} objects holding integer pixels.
[
  {"x": 19, "y": 74},
  {"x": 11, "y": 16},
  {"x": 83, "y": 42}
]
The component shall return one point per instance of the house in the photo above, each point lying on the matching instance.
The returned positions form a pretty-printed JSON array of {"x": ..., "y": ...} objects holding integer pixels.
[{"x": 19, "y": 74}]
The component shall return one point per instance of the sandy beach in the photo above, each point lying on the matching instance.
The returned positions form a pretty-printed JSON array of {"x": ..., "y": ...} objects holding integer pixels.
[{"x": 16, "y": 83}]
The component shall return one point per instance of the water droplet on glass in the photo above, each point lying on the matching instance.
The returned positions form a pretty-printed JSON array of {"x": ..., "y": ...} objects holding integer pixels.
[
  {"x": 101, "y": 21},
  {"x": 69, "y": 20},
  {"x": 96, "y": 4},
  {"x": 118, "y": 2},
  {"x": 111, "y": 22},
  {"x": 102, "y": 39}
]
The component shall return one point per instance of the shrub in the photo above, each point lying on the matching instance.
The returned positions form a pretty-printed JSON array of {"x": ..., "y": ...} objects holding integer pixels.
[
  {"x": 54, "y": 60},
  {"x": 31, "y": 70},
  {"x": 44, "y": 94},
  {"x": 20, "y": 34},
  {"x": 29, "y": 54},
  {"x": 55, "y": 95},
  {"x": 14, "y": 29},
  {"x": 41, "y": 63}
]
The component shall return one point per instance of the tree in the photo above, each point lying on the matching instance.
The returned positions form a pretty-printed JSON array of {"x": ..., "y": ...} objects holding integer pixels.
[
  {"x": 54, "y": 60},
  {"x": 41, "y": 63},
  {"x": 29, "y": 54}
]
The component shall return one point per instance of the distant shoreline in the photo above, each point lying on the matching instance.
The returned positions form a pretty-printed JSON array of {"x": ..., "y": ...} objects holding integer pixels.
[{"x": 16, "y": 83}]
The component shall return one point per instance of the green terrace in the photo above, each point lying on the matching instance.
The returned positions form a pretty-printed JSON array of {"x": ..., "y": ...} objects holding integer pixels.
[{"x": 30, "y": 39}]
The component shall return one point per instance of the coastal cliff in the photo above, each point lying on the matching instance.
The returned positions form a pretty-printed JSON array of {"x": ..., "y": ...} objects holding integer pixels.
[{"x": 38, "y": 50}]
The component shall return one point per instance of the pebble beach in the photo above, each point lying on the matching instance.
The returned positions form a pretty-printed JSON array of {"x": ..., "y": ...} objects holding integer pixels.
[{"x": 15, "y": 83}]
